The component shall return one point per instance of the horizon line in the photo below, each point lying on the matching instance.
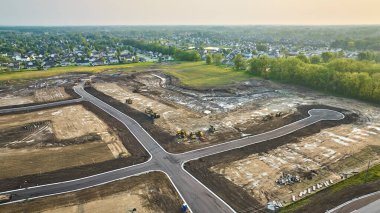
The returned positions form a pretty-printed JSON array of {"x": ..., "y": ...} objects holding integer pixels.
[{"x": 205, "y": 25}]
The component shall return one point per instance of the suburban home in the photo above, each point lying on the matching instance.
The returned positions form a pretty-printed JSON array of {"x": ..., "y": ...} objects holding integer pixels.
[
  {"x": 30, "y": 65},
  {"x": 113, "y": 60},
  {"x": 82, "y": 63},
  {"x": 48, "y": 64},
  {"x": 98, "y": 62},
  {"x": 14, "y": 66}
]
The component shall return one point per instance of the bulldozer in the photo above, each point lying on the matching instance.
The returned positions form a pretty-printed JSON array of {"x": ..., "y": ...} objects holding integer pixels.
[
  {"x": 201, "y": 136},
  {"x": 151, "y": 114},
  {"x": 192, "y": 136},
  {"x": 181, "y": 134},
  {"x": 129, "y": 101},
  {"x": 211, "y": 129}
]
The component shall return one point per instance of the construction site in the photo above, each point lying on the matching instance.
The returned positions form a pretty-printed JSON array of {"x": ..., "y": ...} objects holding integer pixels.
[{"x": 40, "y": 145}]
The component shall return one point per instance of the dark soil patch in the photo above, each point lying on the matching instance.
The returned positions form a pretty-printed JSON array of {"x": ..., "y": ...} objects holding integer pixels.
[
  {"x": 235, "y": 196},
  {"x": 138, "y": 155},
  {"x": 162, "y": 195}
]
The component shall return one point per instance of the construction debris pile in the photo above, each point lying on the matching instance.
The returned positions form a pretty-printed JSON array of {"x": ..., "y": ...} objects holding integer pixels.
[{"x": 288, "y": 179}]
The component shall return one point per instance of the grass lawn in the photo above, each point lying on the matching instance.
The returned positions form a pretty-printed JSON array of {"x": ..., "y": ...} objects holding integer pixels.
[
  {"x": 201, "y": 75},
  {"x": 361, "y": 178},
  {"x": 29, "y": 74}
]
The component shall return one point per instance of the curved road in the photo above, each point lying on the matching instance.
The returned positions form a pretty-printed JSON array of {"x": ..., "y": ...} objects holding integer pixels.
[{"x": 193, "y": 192}]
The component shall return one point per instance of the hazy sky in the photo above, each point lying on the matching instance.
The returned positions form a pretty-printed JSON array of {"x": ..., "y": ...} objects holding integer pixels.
[{"x": 188, "y": 12}]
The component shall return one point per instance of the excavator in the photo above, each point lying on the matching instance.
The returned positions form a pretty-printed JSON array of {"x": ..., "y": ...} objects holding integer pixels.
[
  {"x": 181, "y": 134},
  {"x": 129, "y": 101},
  {"x": 211, "y": 129},
  {"x": 201, "y": 136},
  {"x": 151, "y": 114}
]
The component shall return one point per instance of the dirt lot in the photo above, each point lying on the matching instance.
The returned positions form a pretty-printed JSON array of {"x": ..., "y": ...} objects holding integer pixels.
[
  {"x": 151, "y": 192},
  {"x": 70, "y": 135},
  {"x": 136, "y": 151},
  {"x": 27, "y": 96}
]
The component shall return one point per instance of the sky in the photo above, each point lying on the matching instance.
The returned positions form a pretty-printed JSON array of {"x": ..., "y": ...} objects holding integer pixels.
[{"x": 189, "y": 12}]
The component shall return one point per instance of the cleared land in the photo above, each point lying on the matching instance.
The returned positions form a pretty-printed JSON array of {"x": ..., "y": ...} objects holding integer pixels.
[
  {"x": 36, "y": 96},
  {"x": 53, "y": 139},
  {"x": 331, "y": 154},
  {"x": 355, "y": 186},
  {"x": 151, "y": 192}
]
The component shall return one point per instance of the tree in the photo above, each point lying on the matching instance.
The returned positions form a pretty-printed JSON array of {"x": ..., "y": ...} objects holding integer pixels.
[
  {"x": 135, "y": 59},
  {"x": 303, "y": 58},
  {"x": 327, "y": 56},
  {"x": 217, "y": 58},
  {"x": 262, "y": 47},
  {"x": 366, "y": 56},
  {"x": 315, "y": 59},
  {"x": 284, "y": 52},
  {"x": 239, "y": 62},
  {"x": 189, "y": 55},
  {"x": 208, "y": 59},
  {"x": 259, "y": 65},
  {"x": 4, "y": 59}
]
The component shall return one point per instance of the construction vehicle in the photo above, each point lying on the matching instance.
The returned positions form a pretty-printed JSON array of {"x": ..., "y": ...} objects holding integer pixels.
[
  {"x": 87, "y": 83},
  {"x": 128, "y": 101},
  {"x": 181, "y": 134},
  {"x": 211, "y": 129},
  {"x": 151, "y": 113},
  {"x": 201, "y": 136},
  {"x": 123, "y": 155},
  {"x": 192, "y": 136},
  {"x": 5, "y": 198}
]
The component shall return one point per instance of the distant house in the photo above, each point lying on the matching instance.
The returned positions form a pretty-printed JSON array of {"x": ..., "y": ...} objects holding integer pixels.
[
  {"x": 48, "y": 64},
  {"x": 113, "y": 60},
  {"x": 14, "y": 66},
  {"x": 98, "y": 62},
  {"x": 82, "y": 63},
  {"x": 66, "y": 63},
  {"x": 30, "y": 65}
]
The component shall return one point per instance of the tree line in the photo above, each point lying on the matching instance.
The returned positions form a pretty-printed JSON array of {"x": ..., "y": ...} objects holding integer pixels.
[{"x": 347, "y": 77}]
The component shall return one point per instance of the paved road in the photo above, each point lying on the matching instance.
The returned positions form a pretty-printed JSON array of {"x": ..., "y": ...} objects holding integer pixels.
[
  {"x": 373, "y": 207},
  {"x": 195, "y": 194},
  {"x": 365, "y": 204},
  {"x": 40, "y": 106}
]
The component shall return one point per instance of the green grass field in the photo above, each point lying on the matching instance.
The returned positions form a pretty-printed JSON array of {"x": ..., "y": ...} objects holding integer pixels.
[
  {"x": 361, "y": 178},
  {"x": 191, "y": 74},
  {"x": 200, "y": 75},
  {"x": 29, "y": 74}
]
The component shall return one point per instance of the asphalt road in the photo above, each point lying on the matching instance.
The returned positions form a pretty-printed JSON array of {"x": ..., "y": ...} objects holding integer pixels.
[
  {"x": 40, "y": 106},
  {"x": 194, "y": 193},
  {"x": 369, "y": 203}
]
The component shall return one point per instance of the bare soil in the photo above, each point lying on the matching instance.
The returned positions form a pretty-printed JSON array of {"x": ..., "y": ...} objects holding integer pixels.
[
  {"x": 54, "y": 139},
  {"x": 168, "y": 140},
  {"x": 138, "y": 155},
  {"x": 234, "y": 195},
  {"x": 150, "y": 192}
]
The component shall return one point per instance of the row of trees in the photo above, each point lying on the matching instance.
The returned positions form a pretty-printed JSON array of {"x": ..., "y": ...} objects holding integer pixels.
[
  {"x": 214, "y": 59},
  {"x": 372, "y": 43},
  {"x": 346, "y": 77}
]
